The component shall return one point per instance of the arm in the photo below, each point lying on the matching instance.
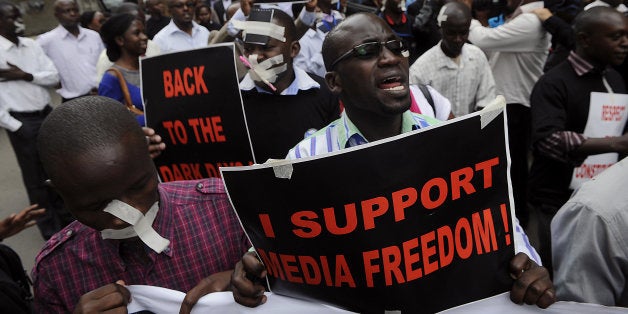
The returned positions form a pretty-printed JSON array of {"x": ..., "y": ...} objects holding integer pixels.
[
  {"x": 486, "y": 90},
  {"x": 561, "y": 31},
  {"x": 589, "y": 255},
  {"x": 516, "y": 36}
]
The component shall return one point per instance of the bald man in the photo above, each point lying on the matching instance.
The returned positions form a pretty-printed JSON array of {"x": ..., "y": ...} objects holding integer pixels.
[
  {"x": 74, "y": 50},
  {"x": 457, "y": 69}
]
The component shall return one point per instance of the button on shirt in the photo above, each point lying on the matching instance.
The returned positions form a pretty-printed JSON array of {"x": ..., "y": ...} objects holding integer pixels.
[
  {"x": 75, "y": 57},
  {"x": 172, "y": 39},
  {"x": 23, "y": 96},
  {"x": 467, "y": 85}
]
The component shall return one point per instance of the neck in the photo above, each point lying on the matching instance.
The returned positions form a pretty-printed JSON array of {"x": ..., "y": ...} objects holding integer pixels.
[
  {"x": 596, "y": 63},
  {"x": 74, "y": 30},
  {"x": 185, "y": 26},
  {"x": 128, "y": 62},
  {"x": 10, "y": 37},
  {"x": 375, "y": 127}
]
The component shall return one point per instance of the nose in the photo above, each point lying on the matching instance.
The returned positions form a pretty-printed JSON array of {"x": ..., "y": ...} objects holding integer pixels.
[{"x": 388, "y": 58}]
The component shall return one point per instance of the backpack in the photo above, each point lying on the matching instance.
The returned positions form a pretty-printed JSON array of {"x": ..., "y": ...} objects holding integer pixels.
[{"x": 15, "y": 285}]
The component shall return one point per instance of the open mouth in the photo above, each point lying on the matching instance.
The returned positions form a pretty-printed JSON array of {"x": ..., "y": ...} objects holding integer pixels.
[{"x": 393, "y": 83}]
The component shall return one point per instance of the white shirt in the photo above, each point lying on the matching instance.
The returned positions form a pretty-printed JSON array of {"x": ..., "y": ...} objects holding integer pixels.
[
  {"x": 310, "y": 57},
  {"x": 302, "y": 81},
  {"x": 74, "y": 57},
  {"x": 104, "y": 64},
  {"x": 23, "y": 96},
  {"x": 467, "y": 85},
  {"x": 172, "y": 39},
  {"x": 599, "y": 3},
  {"x": 517, "y": 52}
]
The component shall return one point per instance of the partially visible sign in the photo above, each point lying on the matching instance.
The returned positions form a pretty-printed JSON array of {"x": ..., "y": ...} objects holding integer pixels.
[
  {"x": 193, "y": 101},
  {"x": 419, "y": 223}
]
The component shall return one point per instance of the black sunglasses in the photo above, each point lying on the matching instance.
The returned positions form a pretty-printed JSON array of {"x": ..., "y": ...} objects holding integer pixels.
[
  {"x": 181, "y": 4},
  {"x": 372, "y": 50}
]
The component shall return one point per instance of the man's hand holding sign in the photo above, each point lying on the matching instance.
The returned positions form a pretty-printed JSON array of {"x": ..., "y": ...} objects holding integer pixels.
[{"x": 401, "y": 219}]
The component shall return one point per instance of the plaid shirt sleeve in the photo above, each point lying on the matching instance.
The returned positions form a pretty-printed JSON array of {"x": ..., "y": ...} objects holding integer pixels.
[{"x": 560, "y": 145}]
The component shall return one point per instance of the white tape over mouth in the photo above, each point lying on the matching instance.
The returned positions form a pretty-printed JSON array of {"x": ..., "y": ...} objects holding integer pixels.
[
  {"x": 260, "y": 28},
  {"x": 141, "y": 225},
  {"x": 264, "y": 70}
]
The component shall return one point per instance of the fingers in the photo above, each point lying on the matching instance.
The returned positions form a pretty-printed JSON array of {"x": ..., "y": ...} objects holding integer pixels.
[
  {"x": 246, "y": 291},
  {"x": 532, "y": 283},
  {"x": 214, "y": 283},
  {"x": 111, "y": 298}
]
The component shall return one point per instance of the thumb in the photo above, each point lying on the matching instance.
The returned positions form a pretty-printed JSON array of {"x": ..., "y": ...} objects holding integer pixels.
[{"x": 121, "y": 282}]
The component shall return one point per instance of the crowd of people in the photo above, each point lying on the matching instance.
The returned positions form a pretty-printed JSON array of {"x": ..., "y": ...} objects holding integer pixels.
[{"x": 315, "y": 78}]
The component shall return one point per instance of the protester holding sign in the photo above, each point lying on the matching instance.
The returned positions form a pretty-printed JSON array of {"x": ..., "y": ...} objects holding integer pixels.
[
  {"x": 281, "y": 101},
  {"x": 366, "y": 67},
  {"x": 577, "y": 112},
  {"x": 130, "y": 229}
]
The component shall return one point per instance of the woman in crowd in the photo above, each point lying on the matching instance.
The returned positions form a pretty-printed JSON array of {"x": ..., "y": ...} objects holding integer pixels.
[
  {"x": 125, "y": 40},
  {"x": 92, "y": 20},
  {"x": 203, "y": 16}
]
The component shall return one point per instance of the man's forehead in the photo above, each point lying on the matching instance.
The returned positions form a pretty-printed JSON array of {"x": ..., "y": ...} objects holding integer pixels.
[{"x": 364, "y": 30}]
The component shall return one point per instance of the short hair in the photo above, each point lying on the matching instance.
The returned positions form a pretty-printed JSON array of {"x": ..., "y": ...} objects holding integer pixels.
[
  {"x": 86, "y": 18},
  {"x": 84, "y": 125},
  {"x": 115, "y": 26},
  {"x": 587, "y": 20},
  {"x": 57, "y": 3},
  {"x": 3, "y": 4},
  {"x": 126, "y": 8}
]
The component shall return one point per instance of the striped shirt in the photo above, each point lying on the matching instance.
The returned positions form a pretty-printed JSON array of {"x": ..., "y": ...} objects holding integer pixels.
[
  {"x": 196, "y": 216},
  {"x": 342, "y": 133}
]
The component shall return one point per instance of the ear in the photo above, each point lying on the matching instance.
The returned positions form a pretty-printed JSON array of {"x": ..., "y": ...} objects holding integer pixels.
[
  {"x": 333, "y": 82},
  {"x": 119, "y": 41},
  {"x": 295, "y": 47}
]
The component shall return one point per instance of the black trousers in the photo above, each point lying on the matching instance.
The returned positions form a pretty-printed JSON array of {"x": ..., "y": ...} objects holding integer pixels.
[
  {"x": 519, "y": 128},
  {"x": 24, "y": 142}
]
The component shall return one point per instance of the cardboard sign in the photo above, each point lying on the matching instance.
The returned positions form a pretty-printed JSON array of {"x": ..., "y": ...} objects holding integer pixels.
[
  {"x": 193, "y": 101},
  {"x": 419, "y": 223}
]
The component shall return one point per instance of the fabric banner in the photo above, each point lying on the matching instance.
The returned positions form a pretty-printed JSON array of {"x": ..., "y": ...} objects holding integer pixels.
[
  {"x": 417, "y": 223},
  {"x": 192, "y": 99},
  {"x": 150, "y": 299}
]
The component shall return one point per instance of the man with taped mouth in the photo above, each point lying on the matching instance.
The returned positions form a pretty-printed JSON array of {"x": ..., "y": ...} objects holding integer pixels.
[
  {"x": 368, "y": 68},
  {"x": 281, "y": 101},
  {"x": 130, "y": 229}
]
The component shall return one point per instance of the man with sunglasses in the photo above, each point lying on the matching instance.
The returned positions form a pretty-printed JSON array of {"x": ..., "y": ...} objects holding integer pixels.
[
  {"x": 182, "y": 33},
  {"x": 368, "y": 68}
]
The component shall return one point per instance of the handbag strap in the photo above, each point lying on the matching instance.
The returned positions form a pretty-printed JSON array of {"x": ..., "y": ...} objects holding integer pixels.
[{"x": 125, "y": 91}]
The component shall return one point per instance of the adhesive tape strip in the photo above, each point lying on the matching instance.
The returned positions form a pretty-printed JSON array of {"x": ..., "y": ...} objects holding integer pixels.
[
  {"x": 261, "y": 28},
  {"x": 124, "y": 211}
]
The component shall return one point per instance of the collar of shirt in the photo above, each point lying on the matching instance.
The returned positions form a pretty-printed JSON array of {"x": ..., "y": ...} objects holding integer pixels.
[
  {"x": 173, "y": 28},
  {"x": 302, "y": 81},
  {"x": 66, "y": 34},
  {"x": 349, "y": 135},
  {"x": 579, "y": 65},
  {"x": 390, "y": 21}
]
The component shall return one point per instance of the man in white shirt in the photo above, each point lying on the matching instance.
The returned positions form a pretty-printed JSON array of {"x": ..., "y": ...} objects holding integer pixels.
[
  {"x": 517, "y": 51},
  {"x": 182, "y": 33},
  {"x": 460, "y": 71},
  {"x": 74, "y": 50},
  {"x": 25, "y": 71}
]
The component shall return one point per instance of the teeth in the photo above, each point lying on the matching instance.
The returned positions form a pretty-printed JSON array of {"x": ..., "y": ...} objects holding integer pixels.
[{"x": 400, "y": 87}]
